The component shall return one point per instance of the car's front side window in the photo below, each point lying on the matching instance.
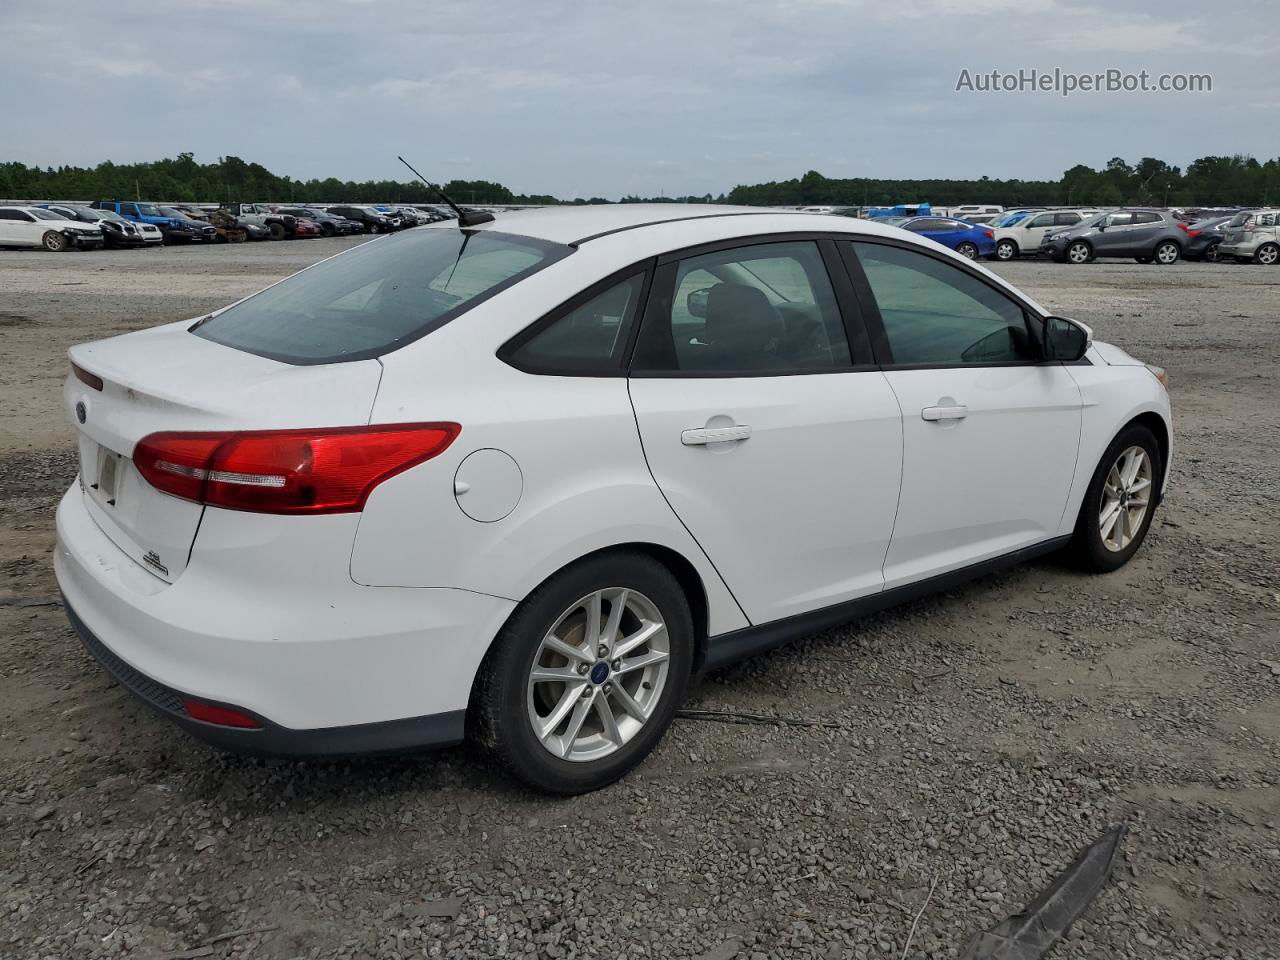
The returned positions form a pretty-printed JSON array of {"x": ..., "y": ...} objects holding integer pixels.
[
  {"x": 764, "y": 308},
  {"x": 937, "y": 314}
]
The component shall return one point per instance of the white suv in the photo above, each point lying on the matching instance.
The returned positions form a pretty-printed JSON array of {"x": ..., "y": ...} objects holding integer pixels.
[
  {"x": 525, "y": 479},
  {"x": 38, "y": 227},
  {"x": 1021, "y": 232}
]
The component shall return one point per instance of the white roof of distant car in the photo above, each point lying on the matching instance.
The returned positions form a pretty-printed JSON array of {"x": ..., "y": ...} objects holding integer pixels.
[{"x": 578, "y": 224}]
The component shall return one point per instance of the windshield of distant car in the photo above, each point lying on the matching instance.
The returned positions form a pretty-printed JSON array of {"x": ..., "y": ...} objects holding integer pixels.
[
  {"x": 1240, "y": 219},
  {"x": 1009, "y": 219},
  {"x": 175, "y": 213},
  {"x": 378, "y": 296},
  {"x": 147, "y": 210},
  {"x": 892, "y": 221},
  {"x": 102, "y": 214},
  {"x": 40, "y": 214}
]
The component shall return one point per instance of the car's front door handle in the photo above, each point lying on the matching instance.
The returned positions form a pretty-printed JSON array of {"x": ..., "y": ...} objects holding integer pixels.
[
  {"x": 955, "y": 412},
  {"x": 701, "y": 435}
]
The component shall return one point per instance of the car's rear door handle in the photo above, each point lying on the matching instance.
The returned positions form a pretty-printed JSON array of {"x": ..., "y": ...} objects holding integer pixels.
[
  {"x": 701, "y": 435},
  {"x": 956, "y": 412}
]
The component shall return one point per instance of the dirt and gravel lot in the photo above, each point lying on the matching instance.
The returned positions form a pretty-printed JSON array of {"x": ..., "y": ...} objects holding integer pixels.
[{"x": 974, "y": 740}]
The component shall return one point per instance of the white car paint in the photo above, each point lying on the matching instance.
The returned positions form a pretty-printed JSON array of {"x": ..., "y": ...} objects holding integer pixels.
[
  {"x": 26, "y": 227},
  {"x": 843, "y": 490},
  {"x": 1028, "y": 233}
]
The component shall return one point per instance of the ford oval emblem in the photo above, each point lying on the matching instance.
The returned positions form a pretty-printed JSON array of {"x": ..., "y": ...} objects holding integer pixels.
[{"x": 81, "y": 413}]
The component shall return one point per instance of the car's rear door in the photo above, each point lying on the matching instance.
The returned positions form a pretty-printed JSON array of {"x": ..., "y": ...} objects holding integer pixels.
[
  {"x": 1147, "y": 230},
  {"x": 989, "y": 432},
  {"x": 775, "y": 440}
]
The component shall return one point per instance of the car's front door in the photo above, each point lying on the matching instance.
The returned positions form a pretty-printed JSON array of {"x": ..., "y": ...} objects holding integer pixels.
[
  {"x": 1034, "y": 230},
  {"x": 989, "y": 432},
  {"x": 775, "y": 440},
  {"x": 1111, "y": 237}
]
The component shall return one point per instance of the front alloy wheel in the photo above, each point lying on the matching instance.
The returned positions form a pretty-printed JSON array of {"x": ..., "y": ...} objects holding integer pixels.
[
  {"x": 1006, "y": 250},
  {"x": 55, "y": 241},
  {"x": 1119, "y": 501},
  {"x": 1126, "y": 495},
  {"x": 1079, "y": 252}
]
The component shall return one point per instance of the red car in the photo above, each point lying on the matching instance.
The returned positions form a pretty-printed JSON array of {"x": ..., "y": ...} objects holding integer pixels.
[{"x": 306, "y": 228}]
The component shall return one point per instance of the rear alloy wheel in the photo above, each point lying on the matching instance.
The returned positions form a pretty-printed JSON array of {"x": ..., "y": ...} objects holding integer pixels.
[
  {"x": 1079, "y": 252},
  {"x": 1211, "y": 253},
  {"x": 587, "y": 674},
  {"x": 968, "y": 250},
  {"x": 1267, "y": 254},
  {"x": 1120, "y": 501},
  {"x": 55, "y": 241},
  {"x": 1167, "y": 253},
  {"x": 1006, "y": 250}
]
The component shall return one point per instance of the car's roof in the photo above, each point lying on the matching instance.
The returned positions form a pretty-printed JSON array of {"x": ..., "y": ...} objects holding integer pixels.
[{"x": 578, "y": 224}]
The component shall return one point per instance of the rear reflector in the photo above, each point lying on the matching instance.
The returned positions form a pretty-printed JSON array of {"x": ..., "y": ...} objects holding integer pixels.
[
  {"x": 222, "y": 716},
  {"x": 325, "y": 470},
  {"x": 84, "y": 376}
]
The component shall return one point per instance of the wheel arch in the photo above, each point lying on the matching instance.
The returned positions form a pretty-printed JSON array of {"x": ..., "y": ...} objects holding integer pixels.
[{"x": 1157, "y": 425}]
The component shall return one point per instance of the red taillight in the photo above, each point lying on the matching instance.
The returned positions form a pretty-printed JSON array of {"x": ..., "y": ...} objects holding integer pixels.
[
  {"x": 990, "y": 234},
  {"x": 328, "y": 470},
  {"x": 222, "y": 716},
  {"x": 84, "y": 376}
]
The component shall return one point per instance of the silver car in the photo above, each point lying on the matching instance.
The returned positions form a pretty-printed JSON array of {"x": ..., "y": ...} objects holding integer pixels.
[{"x": 1252, "y": 235}]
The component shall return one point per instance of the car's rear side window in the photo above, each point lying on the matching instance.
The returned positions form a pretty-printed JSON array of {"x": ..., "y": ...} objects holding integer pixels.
[{"x": 378, "y": 296}]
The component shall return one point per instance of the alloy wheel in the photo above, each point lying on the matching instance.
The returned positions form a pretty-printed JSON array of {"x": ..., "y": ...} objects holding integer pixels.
[
  {"x": 1126, "y": 497},
  {"x": 1078, "y": 252},
  {"x": 968, "y": 251},
  {"x": 598, "y": 674},
  {"x": 1268, "y": 254},
  {"x": 1005, "y": 250},
  {"x": 1167, "y": 253}
]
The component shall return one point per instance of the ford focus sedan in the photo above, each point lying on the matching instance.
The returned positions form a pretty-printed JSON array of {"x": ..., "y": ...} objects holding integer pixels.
[{"x": 522, "y": 481}]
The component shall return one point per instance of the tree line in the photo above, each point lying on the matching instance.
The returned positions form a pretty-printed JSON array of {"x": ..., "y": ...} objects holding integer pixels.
[{"x": 1209, "y": 181}]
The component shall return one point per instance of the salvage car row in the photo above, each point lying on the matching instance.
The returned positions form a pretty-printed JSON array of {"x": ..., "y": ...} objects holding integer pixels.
[
  {"x": 1144, "y": 234},
  {"x": 120, "y": 223}
]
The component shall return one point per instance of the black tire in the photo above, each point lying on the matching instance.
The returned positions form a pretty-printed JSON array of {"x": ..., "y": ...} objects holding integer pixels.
[
  {"x": 1142, "y": 259},
  {"x": 1006, "y": 250},
  {"x": 278, "y": 231},
  {"x": 968, "y": 250},
  {"x": 1211, "y": 254},
  {"x": 54, "y": 241},
  {"x": 1167, "y": 253},
  {"x": 1086, "y": 548},
  {"x": 326, "y": 229},
  {"x": 1268, "y": 254},
  {"x": 498, "y": 719},
  {"x": 374, "y": 228},
  {"x": 1078, "y": 252}
]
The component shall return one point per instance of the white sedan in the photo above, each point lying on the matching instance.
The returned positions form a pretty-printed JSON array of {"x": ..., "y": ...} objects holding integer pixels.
[
  {"x": 521, "y": 480},
  {"x": 38, "y": 227}
]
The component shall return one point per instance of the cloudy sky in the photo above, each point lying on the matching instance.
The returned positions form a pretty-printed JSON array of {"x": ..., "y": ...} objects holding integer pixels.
[{"x": 607, "y": 98}]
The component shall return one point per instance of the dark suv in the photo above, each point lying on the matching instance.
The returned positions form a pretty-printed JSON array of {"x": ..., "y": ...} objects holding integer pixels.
[
  {"x": 372, "y": 221},
  {"x": 330, "y": 224},
  {"x": 1142, "y": 233}
]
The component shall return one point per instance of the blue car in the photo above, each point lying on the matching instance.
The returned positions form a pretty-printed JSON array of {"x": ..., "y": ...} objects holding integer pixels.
[{"x": 967, "y": 239}]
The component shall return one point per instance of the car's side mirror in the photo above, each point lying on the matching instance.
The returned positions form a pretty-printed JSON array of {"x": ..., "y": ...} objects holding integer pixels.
[
  {"x": 696, "y": 302},
  {"x": 1065, "y": 340}
]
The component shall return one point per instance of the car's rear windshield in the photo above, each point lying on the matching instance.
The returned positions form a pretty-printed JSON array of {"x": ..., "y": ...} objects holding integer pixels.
[{"x": 378, "y": 296}]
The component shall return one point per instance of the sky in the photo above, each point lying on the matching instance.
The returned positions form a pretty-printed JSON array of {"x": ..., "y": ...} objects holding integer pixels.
[{"x": 602, "y": 98}]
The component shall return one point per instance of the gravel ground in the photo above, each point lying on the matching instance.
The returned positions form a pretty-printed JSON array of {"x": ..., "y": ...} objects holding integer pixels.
[{"x": 971, "y": 742}]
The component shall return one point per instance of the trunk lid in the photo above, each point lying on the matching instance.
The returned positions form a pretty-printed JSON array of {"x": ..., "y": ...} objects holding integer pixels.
[{"x": 167, "y": 379}]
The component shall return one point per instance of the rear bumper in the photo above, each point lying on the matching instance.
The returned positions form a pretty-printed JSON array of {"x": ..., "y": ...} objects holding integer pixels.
[
  {"x": 414, "y": 733},
  {"x": 328, "y": 667}
]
